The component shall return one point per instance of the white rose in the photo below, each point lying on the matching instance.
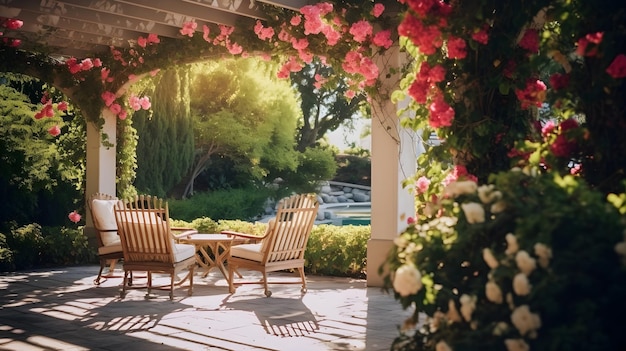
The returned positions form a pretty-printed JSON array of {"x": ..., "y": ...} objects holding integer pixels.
[
  {"x": 474, "y": 212},
  {"x": 521, "y": 286},
  {"x": 525, "y": 263},
  {"x": 455, "y": 189},
  {"x": 490, "y": 259},
  {"x": 493, "y": 292},
  {"x": 511, "y": 244},
  {"x": 525, "y": 321},
  {"x": 468, "y": 305},
  {"x": 516, "y": 345},
  {"x": 407, "y": 280},
  {"x": 442, "y": 346},
  {"x": 544, "y": 253}
]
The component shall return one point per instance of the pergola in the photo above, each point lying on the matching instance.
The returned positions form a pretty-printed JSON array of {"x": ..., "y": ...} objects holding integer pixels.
[{"x": 82, "y": 28}]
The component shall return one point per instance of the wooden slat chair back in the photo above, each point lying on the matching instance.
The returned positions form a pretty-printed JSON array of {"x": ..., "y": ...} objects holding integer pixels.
[
  {"x": 283, "y": 245},
  {"x": 101, "y": 207},
  {"x": 148, "y": 243}
]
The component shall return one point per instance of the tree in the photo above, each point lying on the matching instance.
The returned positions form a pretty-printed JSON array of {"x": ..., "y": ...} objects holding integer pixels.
[
  {"x": 242, "y": 113},
  {"x": 325, "y": 105},
  {"x": 165, "y": 146}
]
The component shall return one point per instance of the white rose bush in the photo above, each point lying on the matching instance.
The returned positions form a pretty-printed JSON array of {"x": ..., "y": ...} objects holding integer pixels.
[{"x": 544, "y": 272}]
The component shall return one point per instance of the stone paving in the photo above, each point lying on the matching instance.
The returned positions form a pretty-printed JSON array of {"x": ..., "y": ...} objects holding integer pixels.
[{"x": 61, "y": 309}]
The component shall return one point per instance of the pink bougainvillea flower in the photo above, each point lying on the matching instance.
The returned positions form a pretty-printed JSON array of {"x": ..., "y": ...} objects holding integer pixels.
[
  {"x": 583, "y": 44},
  {"x": 264, "y": 33},
  {"x": 530, "y": 41},
  {"x": 189, "y": 28},
  {"x": 441, "y": 114},
  {"x": 422, "y": 184},
  {"x": 104, "y": 74},
  {"x": 154, "y": 72},
  {"x": 532, "y": 95},
  {"x": 74, "y": 217},
  {"x": 295, "y": 20},
  {"x": 559, "y": 81},
  {"x": 350, "y": 94},
  {"x": 108, "y": 98},
  {"x": 563, "y": 147},
  {"x": 153, "y": 39},
  {"x": 418, "y": 90},
  {"x": 617, "y": 68},
  {"x": 457, "y": 48},
  {"x": 14, "y": 42},
  {"x": 410, "y": 220},
  {"x": 86, "y": 64},
  {"x": 115, "y": 108},
  {"x": 145, "y": 103},
  {"x": 361, "y": 30},
  {"x": 48, "y": 111},
  {"x": 13, "y": 23},
  {"x": 134, "y": 102},
  {"x": 481, "y": 36},
  {"x": 45, "y": 98},
  {"x": 332, "y": 35},
  {"x": 54, "y": 131},
  {"x": 122, "y": 115},
  {"x": 548, "y": 128},
  {"x": 378, "y": 10},
  {"x": 142, "y": 42},
  {"x": 459, "y": 172},
  {"x": 234, "y": 48},
  {"x": 205, "y": 33},
  {"x": 62, "y": 106},
  {"x": 383, "y": 39},
  {"x": 97, "y": 62},
  {"x": 39, "y": 115},
  {"x": 299, "y": 44}
]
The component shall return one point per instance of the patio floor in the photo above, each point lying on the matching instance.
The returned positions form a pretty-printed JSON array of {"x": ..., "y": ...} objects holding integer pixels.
[{"x": 61, "y": 309}]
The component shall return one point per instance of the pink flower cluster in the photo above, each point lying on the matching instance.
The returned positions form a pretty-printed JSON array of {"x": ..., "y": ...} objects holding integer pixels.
[
  {"x": 319, "y": 19},
  {"x": 151, "y": 39},
  {"x": 530, "y": 41},
  {"x": 424, "y": 90},
  {"x": 563, "y": 145},
  {"x": 532, "y": 95},
  {"x": 421, "y": 185},
  {"x": 11, "y": 24},
  {"x": 137, "y": 103},
  {"x": 588, "y": 45},
  {"x": 617, "y": 68},
  {"x": 459, "y": 172},
  {"x": 84, "y": 65},
  {"x": 48, "y": 111}
]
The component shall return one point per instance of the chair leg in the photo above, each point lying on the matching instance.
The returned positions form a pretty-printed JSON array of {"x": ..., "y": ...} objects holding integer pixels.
[
  {"x": 102, "y": 264},
  {"x": 172, "y": 275},
  {"x": 123, "y": 293},
  {"x": 191, "y": 268},
  {"x": 268, "y": 293},
  {"x": 149, "y": 274},
  {"x": 303, "y": 277}
]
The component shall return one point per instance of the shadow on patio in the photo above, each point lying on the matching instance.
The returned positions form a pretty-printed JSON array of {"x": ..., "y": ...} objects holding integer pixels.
[{"x": 61, "y": 309}]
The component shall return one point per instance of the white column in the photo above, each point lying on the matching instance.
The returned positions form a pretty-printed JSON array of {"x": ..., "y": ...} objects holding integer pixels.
[
  {"x": 394, "y": 154},
  {"x": 100, "y": 161}
]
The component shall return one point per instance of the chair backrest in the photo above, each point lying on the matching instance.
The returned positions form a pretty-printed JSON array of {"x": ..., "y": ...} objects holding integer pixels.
[
  {"x": 144, "y": 229},
  {"x": 289, "y": 233},
  {"x": 101, "y": 206}
]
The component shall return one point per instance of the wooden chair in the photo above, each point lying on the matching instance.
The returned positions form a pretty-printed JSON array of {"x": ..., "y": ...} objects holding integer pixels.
[
  {"x": 101, "y": 206},
  {"x": 281, "y": 248},
  {"x": 149, "y": 245}
]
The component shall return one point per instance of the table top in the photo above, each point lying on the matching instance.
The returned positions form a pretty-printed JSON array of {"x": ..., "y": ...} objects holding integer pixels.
[{"x": 200, "y": 238}]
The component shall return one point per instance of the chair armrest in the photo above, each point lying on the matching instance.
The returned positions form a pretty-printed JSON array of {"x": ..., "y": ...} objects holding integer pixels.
[
  {"x": 251, "y": 237},
  {"x": 185, "y": 232}
]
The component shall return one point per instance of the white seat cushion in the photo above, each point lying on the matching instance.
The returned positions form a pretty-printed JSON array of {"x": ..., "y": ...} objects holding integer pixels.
[
  {"x": 107, "y": 249},
  {"x": 248, "y": 251},
  {"x": 183, "y": 251},
  {"x": 102, "y": 211}
]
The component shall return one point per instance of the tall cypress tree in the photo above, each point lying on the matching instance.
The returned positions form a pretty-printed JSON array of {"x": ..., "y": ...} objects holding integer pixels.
[{"x": 165, "y": 146}]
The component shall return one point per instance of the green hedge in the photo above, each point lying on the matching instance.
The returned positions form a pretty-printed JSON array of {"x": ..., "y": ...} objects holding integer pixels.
[{"x": 331, "y": 250}]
